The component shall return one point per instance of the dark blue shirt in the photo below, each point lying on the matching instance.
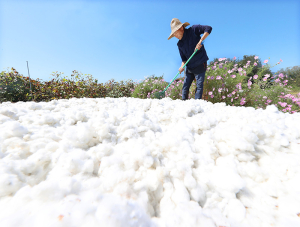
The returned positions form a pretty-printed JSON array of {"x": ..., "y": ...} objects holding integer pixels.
[{"x": 187, "y": 45}]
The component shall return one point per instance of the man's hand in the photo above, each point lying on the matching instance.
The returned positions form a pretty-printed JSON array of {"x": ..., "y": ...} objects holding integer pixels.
[
  {"x": 180, "y": 69},
  {"x": 198, "y": 46}
]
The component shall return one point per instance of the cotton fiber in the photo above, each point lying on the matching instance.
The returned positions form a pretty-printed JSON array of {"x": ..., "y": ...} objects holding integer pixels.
[{"x": 143, "y": 162}]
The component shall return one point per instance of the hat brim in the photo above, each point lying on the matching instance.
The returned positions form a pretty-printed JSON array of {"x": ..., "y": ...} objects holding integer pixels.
[{"x": 179, "y": 26}]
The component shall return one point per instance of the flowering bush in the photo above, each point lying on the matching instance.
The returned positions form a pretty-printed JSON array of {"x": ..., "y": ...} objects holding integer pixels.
[{"x": 230, "y": 83}]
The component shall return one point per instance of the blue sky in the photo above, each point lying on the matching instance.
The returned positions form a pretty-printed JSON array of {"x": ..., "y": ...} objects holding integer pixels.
[{"x": 124, "y": 40}]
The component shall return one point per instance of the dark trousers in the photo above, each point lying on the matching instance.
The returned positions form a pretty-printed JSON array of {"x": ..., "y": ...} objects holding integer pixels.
[{"x": 188, "y": 82}]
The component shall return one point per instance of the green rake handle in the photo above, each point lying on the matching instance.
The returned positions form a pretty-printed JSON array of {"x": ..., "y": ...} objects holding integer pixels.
[{"x": 183, "y": 68}]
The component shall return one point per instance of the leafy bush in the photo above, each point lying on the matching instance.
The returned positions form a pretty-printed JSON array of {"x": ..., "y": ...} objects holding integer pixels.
[
  {"x": 117, "y": 90},
  {"x": 13, "y": 86}
]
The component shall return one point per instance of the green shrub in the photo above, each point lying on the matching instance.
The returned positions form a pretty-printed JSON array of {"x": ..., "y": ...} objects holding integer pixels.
[{"x": 13, "y": 86}]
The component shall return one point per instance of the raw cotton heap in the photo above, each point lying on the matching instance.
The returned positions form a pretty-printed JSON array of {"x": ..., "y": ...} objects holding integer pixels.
[{"x": 137, "y": 162}]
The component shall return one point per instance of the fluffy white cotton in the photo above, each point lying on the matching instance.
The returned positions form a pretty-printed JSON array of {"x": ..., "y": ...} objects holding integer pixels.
[{"x": 134, "y": 162}]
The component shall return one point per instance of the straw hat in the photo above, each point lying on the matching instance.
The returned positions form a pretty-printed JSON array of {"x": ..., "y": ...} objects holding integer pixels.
[{"x": 175, "y": 25}]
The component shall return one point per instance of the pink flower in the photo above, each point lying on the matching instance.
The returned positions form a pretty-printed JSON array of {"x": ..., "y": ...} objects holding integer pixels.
[
  {"x": 283, "y": 104},
  {"x": 233, "y": 92},
  {"x": 212, "y": 77},
  {"x": 256, "y": 57},
  {"x": 255, "y": 64},
  {"x": 235, "y": 58},
  {"x": 249, "y": 83},
  {"x": 223, "y": 97},
  {"x": 277, "y": 80},
  {"x": 267, "y": 75},
  {"x": 265, "y": 79},
  {"x": 231, "y": 99},
  {"x": 210, "y": 93},
  {"x": 229, "y": 95},
  {"x": 233, "y": 76},
  {"x": 255, "y": 77},
  {"x": 240, "y": 69},
  {"x": 208, "y": 77},
  {"x": 220, "y": 89},
  {"x": 212, "y": 96},
  {"x": 218, "y": 78},
  {"x": 242, "y": 101},
  {"x": 266, "y": 61}
]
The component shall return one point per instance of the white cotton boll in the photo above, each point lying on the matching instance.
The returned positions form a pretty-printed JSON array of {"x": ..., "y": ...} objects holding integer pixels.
[
  {"x": 139, "y": 185},
  {"x": 250, "y": 136},
  {"x": 79, "y": 136},
  {"x": 272, "y": 109},
  {"x": 12, "y": 129},
  {"x": 103, "y": 131},
  {"x": 8, "y": 113},
  {"x": 103, "y": 150},
  {"x": 122, "y": 189},
  {"x": 273, "y": 187},
  {"x": 198, "y": 194},
  {"x": 189, "y": 181},
  {"x": 88, "y": 166},
  {"x": 166, "y": 204},
  {"x": 37, "y": 144},
  {"x": 245, "y": 157},
  {"x": 235, "y": 210},
  {"x": 47, "y": 191},
  {"x": 48, "y": 119},
  {"x": 227, "y": 162},
  {"x": 180, "y": 193},
  {"x": 292, "y": 185},
  {"x": 189, "y": 214},
  {"x": 148, "y": 161},
  {"x": 151, "y": 180},
  {"x": 223, "y": 148},
  {"x": 255, "y": 172},
  {"x": 226, "y": 181},
  {"x": 9, "y": 184},
  {"x": 40, "y": 158},
  {"x": 217, "y": 216},
  {"x": 288, "y": 205},
  {"x": 70, "y": 185},
  {"x": 118, "y": 212},
  {"x": 52, "y": 146},
  {"x": 1, "y": 154},
  {"x": 34, "y": 106},
  {"x": 4, "y": 119},
  {"x": 74, "y": 165}
]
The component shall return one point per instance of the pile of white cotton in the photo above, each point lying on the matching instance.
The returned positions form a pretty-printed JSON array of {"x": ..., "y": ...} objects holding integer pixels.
[{"x": 136, "y": 162}]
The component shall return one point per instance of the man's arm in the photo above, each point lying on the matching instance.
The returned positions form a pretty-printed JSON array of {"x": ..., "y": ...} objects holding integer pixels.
[{"x": 199, "y": 45}]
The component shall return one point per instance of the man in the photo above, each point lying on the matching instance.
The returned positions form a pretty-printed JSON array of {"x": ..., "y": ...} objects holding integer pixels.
[{"x": 189, "y": 41}]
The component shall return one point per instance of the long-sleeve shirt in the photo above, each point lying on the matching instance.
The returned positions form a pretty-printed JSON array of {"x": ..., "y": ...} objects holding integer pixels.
[{"x": 187, "y": 45}]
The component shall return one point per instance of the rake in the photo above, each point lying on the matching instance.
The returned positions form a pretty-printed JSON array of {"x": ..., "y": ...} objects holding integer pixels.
[{"x": 160, "y": 95}]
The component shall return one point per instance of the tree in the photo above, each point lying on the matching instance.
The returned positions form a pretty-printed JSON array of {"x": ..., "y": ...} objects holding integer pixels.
[{"x": 293, "y": 74}]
